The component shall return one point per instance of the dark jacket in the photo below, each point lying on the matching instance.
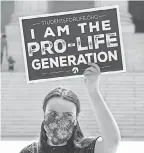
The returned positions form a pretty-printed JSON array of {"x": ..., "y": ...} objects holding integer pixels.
[{"x": 35, "y": 148}]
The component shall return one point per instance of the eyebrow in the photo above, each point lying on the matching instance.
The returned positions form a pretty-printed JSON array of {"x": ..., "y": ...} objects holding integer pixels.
[
  {"x": 63, "y": 112},
  {"x": 68, "y": 112}
]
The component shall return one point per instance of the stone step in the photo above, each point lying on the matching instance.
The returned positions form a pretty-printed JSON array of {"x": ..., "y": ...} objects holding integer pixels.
[{"x": 22, "y": 104}]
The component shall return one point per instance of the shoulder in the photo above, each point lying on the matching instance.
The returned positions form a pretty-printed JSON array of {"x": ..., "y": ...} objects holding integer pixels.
[
  {"x": 89, "y": 141},
  {"x": 88, "y": 144},
  {"x": 32, "y": 148}
]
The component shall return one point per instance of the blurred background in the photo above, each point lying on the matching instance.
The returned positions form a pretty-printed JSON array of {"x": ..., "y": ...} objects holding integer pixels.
[{"x": 21, "y": 103}]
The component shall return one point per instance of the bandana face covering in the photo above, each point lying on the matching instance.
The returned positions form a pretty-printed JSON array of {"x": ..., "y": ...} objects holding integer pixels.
[{"x": 58, "y": 129}]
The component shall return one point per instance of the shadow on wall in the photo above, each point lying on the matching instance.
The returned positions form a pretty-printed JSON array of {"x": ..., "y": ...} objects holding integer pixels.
[
  {"x": 62, "y": 6},
  {"x": 7, "y": 9},
  {"x": 136, "y": 9}
]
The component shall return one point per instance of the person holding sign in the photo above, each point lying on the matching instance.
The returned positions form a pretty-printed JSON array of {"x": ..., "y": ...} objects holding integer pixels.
[{"x": 60, "y": 130}]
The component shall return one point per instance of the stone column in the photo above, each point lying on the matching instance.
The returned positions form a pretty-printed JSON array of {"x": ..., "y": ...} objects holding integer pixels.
[
  {"x": 22, "y": 8},
  {"x": 133, "y": 43},
  {"x": 125, "y": 17},
  {"x": 28, "y": 8},
  {"x": 62, "y": 6},
  {"x": 7, "y": 9}
]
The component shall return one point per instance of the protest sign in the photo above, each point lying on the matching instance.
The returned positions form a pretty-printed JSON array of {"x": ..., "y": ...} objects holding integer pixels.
[{"x": 62, "y": 44}]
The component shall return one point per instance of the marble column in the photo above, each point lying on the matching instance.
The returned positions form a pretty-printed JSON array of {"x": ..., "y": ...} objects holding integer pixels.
[
  {"x": 28, "y": 8},
  {"x": 133, "y": 43},
  {"x": 22, "y": 8},
  {"x": 125, "y": 17},
  {"x": 7, "y": 9},
  {"x": 62, "y": 6}
]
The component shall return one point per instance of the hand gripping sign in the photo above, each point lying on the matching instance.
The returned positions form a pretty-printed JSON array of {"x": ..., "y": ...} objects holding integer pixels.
[{"x": 62, "y": 44}]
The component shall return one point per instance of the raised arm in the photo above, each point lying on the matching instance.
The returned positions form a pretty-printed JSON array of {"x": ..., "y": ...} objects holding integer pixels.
[{"x": 108, "y": 128}]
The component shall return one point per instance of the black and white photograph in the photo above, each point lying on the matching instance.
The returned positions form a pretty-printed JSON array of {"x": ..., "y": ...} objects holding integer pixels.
[{"x": 72, "y": 76}]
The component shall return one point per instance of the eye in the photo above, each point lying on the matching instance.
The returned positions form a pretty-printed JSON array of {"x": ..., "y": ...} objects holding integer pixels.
[
  {"x": 50, "y": 114},
  {"x": 68, "y": 114}
]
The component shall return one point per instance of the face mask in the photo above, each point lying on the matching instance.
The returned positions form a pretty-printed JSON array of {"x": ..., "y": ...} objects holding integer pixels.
[{"x": 58, "y": 129}]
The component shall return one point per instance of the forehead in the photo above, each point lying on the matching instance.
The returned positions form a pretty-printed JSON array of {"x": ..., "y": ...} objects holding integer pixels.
[{"x": 60, "y": 105}]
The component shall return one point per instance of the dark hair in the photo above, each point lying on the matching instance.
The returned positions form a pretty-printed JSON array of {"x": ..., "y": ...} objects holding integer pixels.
[
  {"x": 77, "y": 139},
  {"x": 65, "y": 94}
]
